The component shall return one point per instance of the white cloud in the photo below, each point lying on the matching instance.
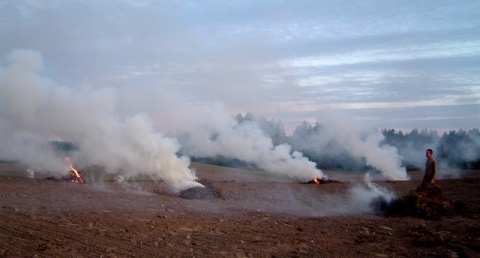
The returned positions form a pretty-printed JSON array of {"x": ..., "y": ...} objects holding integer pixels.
[{"x": 405, "y": 53}]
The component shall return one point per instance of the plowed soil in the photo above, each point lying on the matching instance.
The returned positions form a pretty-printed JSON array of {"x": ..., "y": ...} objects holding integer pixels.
[{"x": 249, "y": 214}]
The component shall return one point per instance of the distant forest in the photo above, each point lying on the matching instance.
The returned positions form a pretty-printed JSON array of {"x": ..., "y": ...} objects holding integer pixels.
[{"x": 453, "y": 149}]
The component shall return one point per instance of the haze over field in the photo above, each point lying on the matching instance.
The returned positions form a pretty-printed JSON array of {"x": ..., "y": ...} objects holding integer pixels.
[{"x": 135, "y": 82}]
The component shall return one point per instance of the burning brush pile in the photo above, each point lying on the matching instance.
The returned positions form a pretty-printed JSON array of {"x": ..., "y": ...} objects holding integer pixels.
[
  {"x": 320, "y": 181},
  {"x": 73, "y": 175}
]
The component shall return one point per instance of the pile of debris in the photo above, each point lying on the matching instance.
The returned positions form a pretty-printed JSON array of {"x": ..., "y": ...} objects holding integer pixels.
[
  {"x": 73, "y": 176},
  {"x": 319, "y": 181},
  {"x": 427, "y": 202},
  {"x": 208, "y": 192}
]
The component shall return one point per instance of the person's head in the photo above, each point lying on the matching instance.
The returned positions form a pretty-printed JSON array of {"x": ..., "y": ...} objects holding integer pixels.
[{"x": 429, "y": 153}]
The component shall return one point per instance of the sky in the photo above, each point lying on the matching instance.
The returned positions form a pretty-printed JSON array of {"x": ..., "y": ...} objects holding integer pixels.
[{"x": 379, "y": 64}]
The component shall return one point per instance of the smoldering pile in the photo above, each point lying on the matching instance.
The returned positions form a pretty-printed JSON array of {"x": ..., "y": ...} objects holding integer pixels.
[
  {"x": 208, "y": 192},
  {"x": 322, "y": 180},
  {"x": 72, "y": 177},
  {"x": 426, "y": 202}
]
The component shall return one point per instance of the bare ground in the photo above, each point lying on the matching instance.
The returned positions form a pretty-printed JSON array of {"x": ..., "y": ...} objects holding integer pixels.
[{"x": 252, "y": 215}]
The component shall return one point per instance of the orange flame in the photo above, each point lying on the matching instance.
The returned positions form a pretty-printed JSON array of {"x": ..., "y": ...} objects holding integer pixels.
[
  {"x": 315, "y": 179},
  {"x": 78, "y": 177}
]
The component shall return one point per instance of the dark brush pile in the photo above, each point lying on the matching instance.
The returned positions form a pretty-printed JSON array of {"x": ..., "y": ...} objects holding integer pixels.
[
  {"x": 320, "y": 181},
  {"x": 71, "y": 177},
  {"x": 208, "y": 192},
  {"x": 426, "y": 202}
]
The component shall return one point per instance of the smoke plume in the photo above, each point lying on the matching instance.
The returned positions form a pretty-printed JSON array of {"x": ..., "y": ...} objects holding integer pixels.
[
  {"x": 135, "y": 132},
  {"x": 247, "y": 142},
  {"x": 35, "y": 110},
  {"x": 339, "y": 138}
]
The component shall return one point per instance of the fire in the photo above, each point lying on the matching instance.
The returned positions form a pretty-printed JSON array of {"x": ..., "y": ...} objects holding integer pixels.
[
  {"x": 74, "y": 176},
  {"x": 321, "y": 181}
]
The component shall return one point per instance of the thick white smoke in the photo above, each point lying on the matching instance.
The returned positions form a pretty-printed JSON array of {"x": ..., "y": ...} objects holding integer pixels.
[
  {"x": 35, "y": 110},
  {"x": 247, "y": 142},
  {"x": 209, "y": 130},
  {"x": 341, "y": 137},
  {"x": 384, "y": 158},
  {"x": 109, "y": 132}
]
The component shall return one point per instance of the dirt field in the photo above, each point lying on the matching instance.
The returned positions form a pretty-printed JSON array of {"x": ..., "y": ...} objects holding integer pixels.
[{"x": 254, "y": 216}]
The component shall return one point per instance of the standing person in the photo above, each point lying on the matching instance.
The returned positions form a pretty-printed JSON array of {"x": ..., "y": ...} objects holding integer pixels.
[{"x": 430, "y": 168}]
